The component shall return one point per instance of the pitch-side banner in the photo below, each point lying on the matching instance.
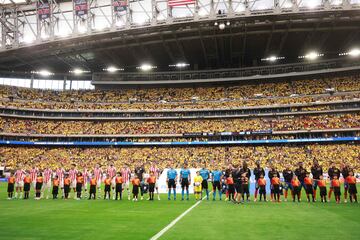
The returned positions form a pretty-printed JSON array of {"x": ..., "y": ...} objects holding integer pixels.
[
  {"x": 162, "y": 184},
  {"x": 81, "y": 7},
  {"x": 120, "y": 5},
  {"x": 43, "y": 10}
]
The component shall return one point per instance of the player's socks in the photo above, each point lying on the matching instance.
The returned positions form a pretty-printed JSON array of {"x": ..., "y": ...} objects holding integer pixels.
[
  {"x": 182, "y": 194},
  {"x": 207, "y": 194},
  {"x": 16, "y": 194},
  {"x": 220, "y": 194},
  {"x": 187, "y": 194},
  {"x": 214, "y": 195},
  {"x": 169, "y": 194},
  {"x": 174, "y": 194},
  {"x": 255, "y": 194}
]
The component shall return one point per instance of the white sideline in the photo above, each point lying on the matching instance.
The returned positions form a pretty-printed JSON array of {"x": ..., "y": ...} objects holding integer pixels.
[{"x": 159, "y": 234}]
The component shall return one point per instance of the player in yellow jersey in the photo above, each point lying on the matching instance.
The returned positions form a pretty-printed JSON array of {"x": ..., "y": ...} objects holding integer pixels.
[{"x": 197, "y": 185}]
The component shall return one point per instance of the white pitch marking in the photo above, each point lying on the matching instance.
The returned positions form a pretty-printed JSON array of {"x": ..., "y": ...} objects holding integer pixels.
[{"x": 165, "y": 229}]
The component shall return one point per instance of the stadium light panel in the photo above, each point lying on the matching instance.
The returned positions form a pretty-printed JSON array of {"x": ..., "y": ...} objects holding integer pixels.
[
  {"x": 312, "y": 55},
  {"x": 180, "y": 65},
  {"x": 113, "y": 69},
  {"x": 44, "y": 73},
  {"x": 78, "y": 71},
  {"x": 354, "y": 52},
  {"x": 222, "y": 26},
  {"x": 272, "y": 58},
  {"x": 146, "y": 67}
]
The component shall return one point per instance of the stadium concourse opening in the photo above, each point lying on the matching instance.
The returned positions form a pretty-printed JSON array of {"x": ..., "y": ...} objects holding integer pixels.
[{"x": 179, "y": 119}]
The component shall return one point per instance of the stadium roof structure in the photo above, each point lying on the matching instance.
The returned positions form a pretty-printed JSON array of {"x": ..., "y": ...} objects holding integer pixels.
[{"x": 246, "y": 39}]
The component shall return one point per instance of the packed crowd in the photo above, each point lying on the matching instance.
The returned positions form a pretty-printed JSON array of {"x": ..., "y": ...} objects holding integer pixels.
[
  {"x": 299, "y": 91},
  {"x": 285, "y": 123},
  {"x": 214, "y": 157}
]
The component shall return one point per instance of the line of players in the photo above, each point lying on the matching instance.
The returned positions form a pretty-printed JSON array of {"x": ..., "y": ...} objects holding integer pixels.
[
  {"x": 60, "y": 181},
  {"x": 234, "y": 182}
]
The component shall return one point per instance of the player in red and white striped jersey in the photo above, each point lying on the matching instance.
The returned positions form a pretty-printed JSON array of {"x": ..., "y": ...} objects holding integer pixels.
[
  {"x": 33, "y": 174},
  {"x": 98, "y": 173},
  {"x": 156, "y": 172},
  {"x": 86, "y": 174},
  {"x": 72, "y": 175},
  {"x": 60, "y": 172},
  {"x": 111, "y": 172},
  {"x": 47, "y": 175},
  {"x": 19, "y": 182},
  {"x": 126, "y": 175}
]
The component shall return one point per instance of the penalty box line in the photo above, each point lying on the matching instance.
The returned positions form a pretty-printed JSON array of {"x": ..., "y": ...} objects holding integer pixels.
[{"x": 165, "y": 229}]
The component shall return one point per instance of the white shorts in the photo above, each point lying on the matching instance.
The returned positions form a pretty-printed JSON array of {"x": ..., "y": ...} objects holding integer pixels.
[
  {"x": 46, "y": 185},
  {"x": 126, "y": 185},
  {"x": 73, "y": 184},
  {"x": 98, "y": 183},
  {"x": 113, "y": 184},
  {"x": 19, "y": 184},
  {"x": 157, "y": 183},
  {"x": 61, "y": 184},
  {"x": 34, "y": 184}
]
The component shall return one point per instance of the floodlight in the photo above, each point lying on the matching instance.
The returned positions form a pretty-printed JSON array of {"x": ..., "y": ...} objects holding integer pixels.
[
  {"x": 113, "y": 69},
  {"x": 312, "y": 55},
  {"x": 44, "y": 73},
  {"x": 78, "y": 71},
  {"x": 272, "y": 58},
  {"x": 179, "y": 65},
  {"x": 354, "y": 52},
  {"x": 146, "y": 67}
]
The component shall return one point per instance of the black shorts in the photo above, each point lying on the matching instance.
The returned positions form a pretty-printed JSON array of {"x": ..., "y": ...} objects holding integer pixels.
[
  {"x": 216, "y": 185},
  {"x": 204, "y": 184},
  {"x": 231, "y": 188},
  {"x": 238, "y": 187},
  {"x": 276, "y": 189},
  {"x": 337, "y": 191},
  {"x": 26, "y": 187},
  {"x": 171, "y": 183},
  {"x": 92, "y": 189},
  {"x": 184, "y": 183},
  {"x": 38, "y": 185},
  {"x": 55, "y": 190},
  {"x": 135, "y": 190},
  {"x": 262, "y": 189},
  {"x": 245, "y": 188},
  {"x": 107, "y": 188},
  {"x": 118, "y": 187},
  {"x": 297, "y": 190},
  {"x": 78, "y": 187},
  {"x": 309, "y": 189},
  {"x": 151, "y": 187},
  {"x": 352, "y": 189},
  {"x": 66, "y": 188},
  {"x": 323, "y": 191},
  {"x": 10, "y": 187}
]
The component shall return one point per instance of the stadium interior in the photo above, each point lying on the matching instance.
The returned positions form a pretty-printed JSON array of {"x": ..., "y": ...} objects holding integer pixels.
[{"x": 171, "y": 94}]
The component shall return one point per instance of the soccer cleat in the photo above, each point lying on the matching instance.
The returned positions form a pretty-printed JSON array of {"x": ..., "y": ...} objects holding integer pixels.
[
  {"x": 142, "y": 198},
  {"x": 255, "y": 200},
  {"x": 159, "y": 198},
  {"x": 345, "y": 201}
]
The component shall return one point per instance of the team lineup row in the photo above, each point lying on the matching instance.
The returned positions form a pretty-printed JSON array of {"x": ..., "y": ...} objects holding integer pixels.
[{"x": 233, "y": 181}]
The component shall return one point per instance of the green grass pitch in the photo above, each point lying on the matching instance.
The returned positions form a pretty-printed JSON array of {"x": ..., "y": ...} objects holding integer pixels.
[{"x": 99, "y": 219}]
